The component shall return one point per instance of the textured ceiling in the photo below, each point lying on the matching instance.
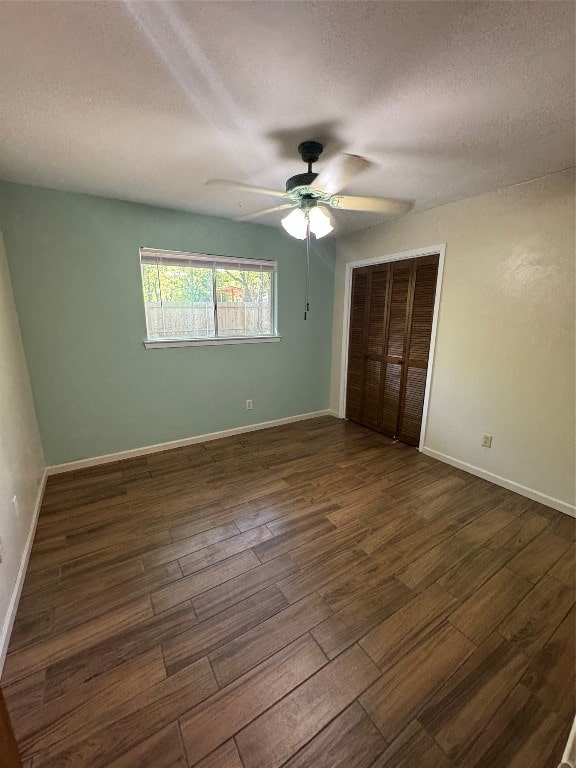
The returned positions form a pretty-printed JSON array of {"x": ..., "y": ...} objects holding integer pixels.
[{"x": 146, "y": 101}]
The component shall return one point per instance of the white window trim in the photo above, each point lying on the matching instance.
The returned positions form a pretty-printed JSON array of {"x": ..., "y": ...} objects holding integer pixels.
[
  {"x": 209, "y": 342},
  {"x": 216, "y": 261}
]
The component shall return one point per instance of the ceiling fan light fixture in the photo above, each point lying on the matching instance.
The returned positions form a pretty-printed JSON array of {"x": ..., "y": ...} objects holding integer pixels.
[
  {"x": 296, "y": 224},
  {"x": 320, "y": 223}
]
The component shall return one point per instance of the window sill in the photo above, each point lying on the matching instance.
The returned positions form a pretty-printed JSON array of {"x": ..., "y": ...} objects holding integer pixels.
[{"x": 166, "y": 343}]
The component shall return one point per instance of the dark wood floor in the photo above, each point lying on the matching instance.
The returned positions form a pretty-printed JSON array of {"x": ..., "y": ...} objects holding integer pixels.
[{"x": 312, "y": 595}]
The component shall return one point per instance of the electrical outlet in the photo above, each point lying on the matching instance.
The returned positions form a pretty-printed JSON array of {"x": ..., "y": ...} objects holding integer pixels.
[
  {"x": 248, "y": 405},
  {"x": 16, "y": 506},
  {"x": 486, "y": 441}
]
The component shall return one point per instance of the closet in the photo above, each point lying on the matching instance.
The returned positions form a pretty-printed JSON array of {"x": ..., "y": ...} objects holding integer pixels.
[{"x": 391, "y": 311}]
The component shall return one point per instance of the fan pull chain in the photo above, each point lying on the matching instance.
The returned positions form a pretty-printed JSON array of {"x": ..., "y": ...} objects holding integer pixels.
[{"x": 306, "y": 300}]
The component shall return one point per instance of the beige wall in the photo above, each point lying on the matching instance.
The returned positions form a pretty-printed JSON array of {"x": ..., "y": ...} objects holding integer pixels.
[
  {"x": 21, "y": 457},
  {"x": 504, "y": 360}
]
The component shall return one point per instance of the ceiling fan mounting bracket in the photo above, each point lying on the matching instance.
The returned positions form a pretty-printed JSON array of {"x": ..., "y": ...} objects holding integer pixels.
[
  {"x": 310, "y": 151},
  {"x": 298, "y": 186}
]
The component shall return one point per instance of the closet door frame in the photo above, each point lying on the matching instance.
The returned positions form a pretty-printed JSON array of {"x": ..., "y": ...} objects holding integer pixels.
[{"x": 433, "y": 250}]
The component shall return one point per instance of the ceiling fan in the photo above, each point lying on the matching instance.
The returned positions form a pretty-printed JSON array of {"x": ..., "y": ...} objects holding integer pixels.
[{"x": 312, "y": 195}]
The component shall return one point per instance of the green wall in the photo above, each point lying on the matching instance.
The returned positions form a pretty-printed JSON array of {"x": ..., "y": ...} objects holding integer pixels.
[{"x": 76, "y": 278}]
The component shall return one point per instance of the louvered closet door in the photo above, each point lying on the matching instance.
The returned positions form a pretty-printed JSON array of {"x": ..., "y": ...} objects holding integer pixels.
[
  {"x": 356, "y": 343},
  {"x": 391, "y": 383},
  {"x": 420, "y": 311},
  {"x": 390, "y": 329},
  {"x": 374, "y": 345}
]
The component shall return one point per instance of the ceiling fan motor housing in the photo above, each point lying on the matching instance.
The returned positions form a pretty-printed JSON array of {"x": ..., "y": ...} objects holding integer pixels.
[{"x": 300, "y": 180}]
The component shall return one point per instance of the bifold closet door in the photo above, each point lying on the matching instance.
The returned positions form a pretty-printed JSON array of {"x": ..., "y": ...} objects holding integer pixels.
[
  {"x": 395, "y": 324},
  {"x": 356, "y": 342},
  {"x": 392, "y": 306},
  {"x": 419, "y": 317},
  {"x": 370, "y": 287},
  {"x": 374, "y": 344}
]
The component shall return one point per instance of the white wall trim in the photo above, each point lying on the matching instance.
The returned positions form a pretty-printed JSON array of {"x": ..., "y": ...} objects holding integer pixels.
[
  {"x": 56, "y": 469},
  {"x": 523, "y": 490},
  {"x": 569, "y": 755},
  {"x": 431, "y": 250},
  {"x": 17, "y": 591}
]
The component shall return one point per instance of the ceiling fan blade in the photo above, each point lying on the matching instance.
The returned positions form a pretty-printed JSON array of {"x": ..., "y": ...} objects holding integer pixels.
[
  {"x": 339, "y": 173},
  {"x": 250, "y": 216},
  {"x": 244, "y": 187},
  {"x": 371, "y": 204}
]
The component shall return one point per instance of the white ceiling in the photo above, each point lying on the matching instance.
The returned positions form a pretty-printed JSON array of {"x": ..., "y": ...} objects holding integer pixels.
[{"x": 146, "y": 101}]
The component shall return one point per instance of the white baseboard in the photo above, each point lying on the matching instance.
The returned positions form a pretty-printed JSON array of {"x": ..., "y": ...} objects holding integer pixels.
[
  {"x": 56, "y": 469},
  {"x": 530, "y": 493},
  {"x": 569, "y": 756},
  {"x": 17, "y": 591}
]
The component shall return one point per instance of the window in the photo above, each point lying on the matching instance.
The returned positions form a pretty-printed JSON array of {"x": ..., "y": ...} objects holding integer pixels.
[{"x": 193, "y": 298}]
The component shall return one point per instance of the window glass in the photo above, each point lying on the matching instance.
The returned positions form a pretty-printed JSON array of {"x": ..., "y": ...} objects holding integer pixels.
[{"x": 195, "y": 296}]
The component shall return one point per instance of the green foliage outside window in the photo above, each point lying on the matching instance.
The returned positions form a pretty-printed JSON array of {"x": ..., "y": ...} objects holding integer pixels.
[{"x": 175, "y": 284}]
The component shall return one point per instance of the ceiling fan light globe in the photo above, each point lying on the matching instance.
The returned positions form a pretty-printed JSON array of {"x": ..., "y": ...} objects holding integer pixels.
[
  {"x": 296, "y": 224},
  {"x": 320, "y": 224}
]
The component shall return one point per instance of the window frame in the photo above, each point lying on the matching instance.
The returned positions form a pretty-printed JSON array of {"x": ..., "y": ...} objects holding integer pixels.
[{"x": 148, "y": 255}]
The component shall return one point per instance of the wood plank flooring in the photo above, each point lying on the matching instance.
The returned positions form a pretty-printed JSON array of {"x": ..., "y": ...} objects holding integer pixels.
[{"x": 311, "y": 595}]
